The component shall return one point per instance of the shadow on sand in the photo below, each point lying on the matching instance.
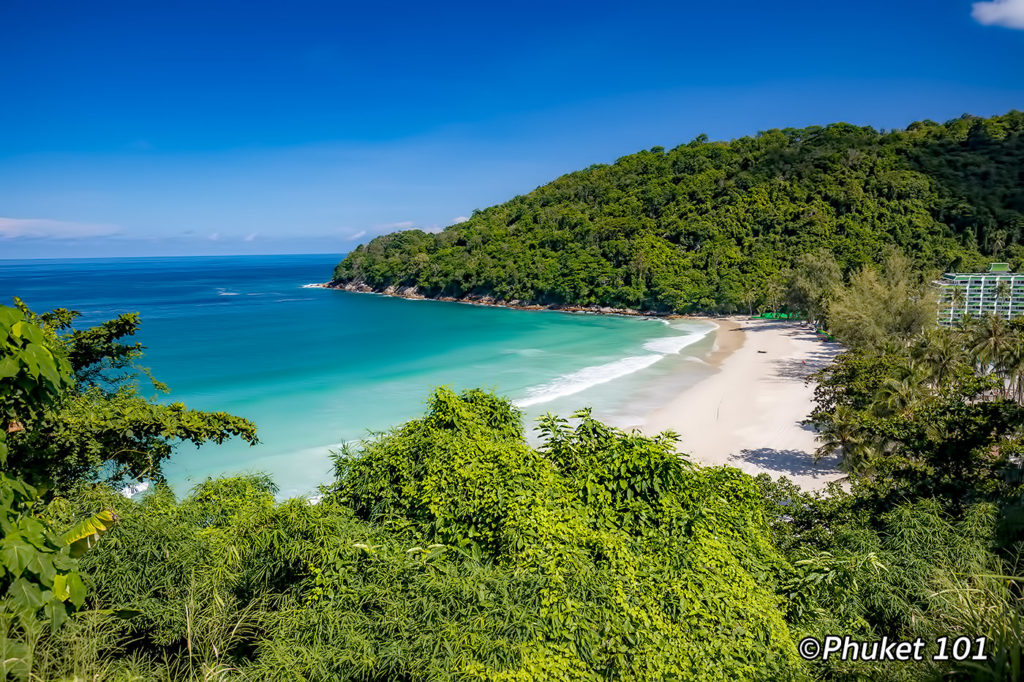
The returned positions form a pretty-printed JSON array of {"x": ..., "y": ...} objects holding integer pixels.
[
  {"x": 790, "y": 462},
  {"x": 798, "y": 369},
  {"x": 788, "y": 369},
  {"x": 794, "y": 463}
]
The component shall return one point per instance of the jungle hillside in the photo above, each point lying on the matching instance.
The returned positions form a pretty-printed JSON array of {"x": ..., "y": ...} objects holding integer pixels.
[{"x": 717, "y": 226}]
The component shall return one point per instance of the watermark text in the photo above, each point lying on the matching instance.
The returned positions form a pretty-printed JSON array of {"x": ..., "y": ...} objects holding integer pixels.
[{"x": 846, "y": 648}]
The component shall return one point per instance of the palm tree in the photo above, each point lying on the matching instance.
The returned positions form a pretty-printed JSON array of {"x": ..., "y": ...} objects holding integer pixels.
[
  {"x": 940, "y": 352},
  {"x": 774, "y": 293},
  {"x": 899, "y": 393},
  {"x": 998, "y": 241},
  {"x": 896, "y": 396},
  {"x": 1012, "y": 363},
  {"x": 1003, "y": 291},
  {"x": 749, "y": 297},
  {"x": 988, "y": 339},
  {"x": 845, "y": 437},
  {"x": 959, "y": 298}
]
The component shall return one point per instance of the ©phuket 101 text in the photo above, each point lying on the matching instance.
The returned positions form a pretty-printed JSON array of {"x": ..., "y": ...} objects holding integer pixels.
[{"x": 846, "y": 648}]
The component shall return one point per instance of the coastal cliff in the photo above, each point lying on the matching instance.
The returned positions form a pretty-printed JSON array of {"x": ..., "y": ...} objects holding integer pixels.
[{"x": 483, "y": 299}]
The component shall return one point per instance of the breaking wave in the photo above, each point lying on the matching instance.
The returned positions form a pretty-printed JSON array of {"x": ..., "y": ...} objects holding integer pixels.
[
  {"x": 673, "y": 344},
  {"x": 585, "y": 378},
  {"x": 581, "y": 380}
]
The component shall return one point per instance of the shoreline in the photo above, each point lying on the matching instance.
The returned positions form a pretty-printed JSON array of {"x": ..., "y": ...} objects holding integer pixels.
[
  {"x": 729, "y": 338},
  {"x": 748, "y": 413},
  {"x": 411, "y": 293}
]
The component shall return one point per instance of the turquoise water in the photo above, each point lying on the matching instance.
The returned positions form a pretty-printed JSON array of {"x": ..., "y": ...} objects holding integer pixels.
[{"x": 315, "y": 368}]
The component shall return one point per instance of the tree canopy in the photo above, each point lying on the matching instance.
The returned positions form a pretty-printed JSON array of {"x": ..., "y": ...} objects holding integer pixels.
[
  {"x": 714, "y": 226},
  {"x": 99, "y": 426}
]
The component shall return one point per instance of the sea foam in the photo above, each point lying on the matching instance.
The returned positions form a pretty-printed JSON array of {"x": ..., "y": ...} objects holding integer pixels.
[
  {"x": 581, "y": 380},
  {"x": 673, "y": 344},
  {"x": 524, "y": 352}
]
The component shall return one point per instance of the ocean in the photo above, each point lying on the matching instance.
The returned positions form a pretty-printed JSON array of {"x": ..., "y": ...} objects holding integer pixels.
[{"x": 314, "y": 368}]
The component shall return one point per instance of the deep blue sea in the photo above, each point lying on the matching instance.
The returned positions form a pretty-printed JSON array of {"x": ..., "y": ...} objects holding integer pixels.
[{"x": 315, "y": 368}]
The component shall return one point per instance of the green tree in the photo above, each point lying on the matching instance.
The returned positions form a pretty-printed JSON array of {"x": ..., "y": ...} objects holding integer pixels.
[
  {"x": 1003, "y": 293},
  {"x": 691, "y": 228},
  {"x": 39, "y": 579},
  {"x": 958, "y": 299},
  {"x": 891, "y": 303},
  {"x": 98, "y": 426},
  {"x": 848, "y": 439},
  {"x": 814, "y": 280},
  {"x": 941, "y": 353},
  {"x": 775, "y": 291},
  {"x": 989, "y": 339}
]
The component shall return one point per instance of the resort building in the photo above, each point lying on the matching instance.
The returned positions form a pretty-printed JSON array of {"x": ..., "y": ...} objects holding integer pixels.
[{"x": 998, "y": 291}]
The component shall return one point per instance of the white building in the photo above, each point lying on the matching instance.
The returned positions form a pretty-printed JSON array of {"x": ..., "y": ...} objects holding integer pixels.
[{"x": 977, "y": 294}]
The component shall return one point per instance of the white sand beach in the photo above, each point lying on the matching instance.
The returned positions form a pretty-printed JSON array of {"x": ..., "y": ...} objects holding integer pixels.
[{"x": 748, "y": 413}]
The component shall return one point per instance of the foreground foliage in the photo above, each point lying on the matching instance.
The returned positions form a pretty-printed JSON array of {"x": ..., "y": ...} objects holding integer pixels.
[
  {"x": 70, "y": 414},
  {"x": 930, "y": 533},
  {"x": 39, "y": 577},
  {"x": 447, "y": 549},
  {"x": 450, "y": 549},
  {"x": 99, "y": 426}
]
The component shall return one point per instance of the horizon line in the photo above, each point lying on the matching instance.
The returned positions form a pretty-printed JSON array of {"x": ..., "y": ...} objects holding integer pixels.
[{"x": 207, "y": 255}]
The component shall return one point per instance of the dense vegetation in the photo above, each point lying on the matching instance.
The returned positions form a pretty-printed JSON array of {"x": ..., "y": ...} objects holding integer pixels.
[
  {"x": 70, "y": 415},
  {"x": 930, "y": 430},
  {"x": 717, "y": 226},
  {"x": 448, "y": 548}
]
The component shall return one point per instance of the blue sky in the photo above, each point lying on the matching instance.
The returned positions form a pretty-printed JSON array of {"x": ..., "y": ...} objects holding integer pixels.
[{"x": 131, "y": 128}]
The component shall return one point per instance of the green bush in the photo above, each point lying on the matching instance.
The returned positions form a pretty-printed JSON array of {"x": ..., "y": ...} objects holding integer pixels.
[{"x": 446, "y": 549}]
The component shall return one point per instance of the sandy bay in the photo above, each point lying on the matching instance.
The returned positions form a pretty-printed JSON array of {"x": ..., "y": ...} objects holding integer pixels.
[{"x": 748, "y": 413}]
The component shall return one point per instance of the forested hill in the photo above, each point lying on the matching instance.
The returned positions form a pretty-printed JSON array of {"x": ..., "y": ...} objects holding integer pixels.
[{"x": 715, "y": 225}]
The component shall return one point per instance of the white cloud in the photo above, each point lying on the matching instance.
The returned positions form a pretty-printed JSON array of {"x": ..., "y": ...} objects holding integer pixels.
[
  {"x": 459, "y": 219},
  {"x": 357, "y": 235},
  {"x": 42, "y": 228},
  {"x": 214, "y": 237},
  {"x": 1008, "y": 13},
  {"x": 251, "y": 237},
  {"x": 403, "y": 225}
]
